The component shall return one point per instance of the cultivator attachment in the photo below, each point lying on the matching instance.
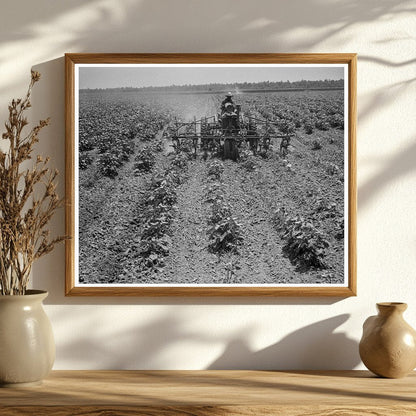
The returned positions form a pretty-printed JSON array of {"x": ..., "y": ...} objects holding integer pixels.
[{"x": 226, "y": 135}]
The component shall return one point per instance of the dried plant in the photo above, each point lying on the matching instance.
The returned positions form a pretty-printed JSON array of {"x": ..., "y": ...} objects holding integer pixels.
[{"x": 28, "y": 199}]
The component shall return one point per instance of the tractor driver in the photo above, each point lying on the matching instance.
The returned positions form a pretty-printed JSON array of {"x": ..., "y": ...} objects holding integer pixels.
[
  {"x": 228, "y": 100},
  {"x": 229, "y": 118}
]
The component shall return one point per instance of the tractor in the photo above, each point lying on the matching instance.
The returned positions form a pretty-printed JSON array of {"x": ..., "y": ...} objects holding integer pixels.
[{"x": 224, "y": 133}]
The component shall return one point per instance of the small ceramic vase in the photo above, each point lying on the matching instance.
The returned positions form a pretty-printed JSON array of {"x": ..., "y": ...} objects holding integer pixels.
[
  {"x": 27, "y": 347},
  {"x": 388, "y": 344}
]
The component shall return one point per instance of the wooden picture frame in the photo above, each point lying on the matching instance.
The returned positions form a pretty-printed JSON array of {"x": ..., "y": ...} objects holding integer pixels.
[{"x": 74, "y": 63}]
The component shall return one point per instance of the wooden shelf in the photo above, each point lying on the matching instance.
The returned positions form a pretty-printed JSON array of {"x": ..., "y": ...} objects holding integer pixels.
[{"x": 203, "y": 393}]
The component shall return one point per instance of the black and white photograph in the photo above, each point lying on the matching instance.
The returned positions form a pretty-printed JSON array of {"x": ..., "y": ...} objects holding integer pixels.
[{"x": 211, "y": 175}]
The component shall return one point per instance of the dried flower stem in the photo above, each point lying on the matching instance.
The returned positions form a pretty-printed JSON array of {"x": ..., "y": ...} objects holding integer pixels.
[{"x": 23, "y": 237}]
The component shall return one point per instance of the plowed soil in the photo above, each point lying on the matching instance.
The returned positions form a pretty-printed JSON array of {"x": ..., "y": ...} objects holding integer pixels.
[{"x": 109, "y": 231}]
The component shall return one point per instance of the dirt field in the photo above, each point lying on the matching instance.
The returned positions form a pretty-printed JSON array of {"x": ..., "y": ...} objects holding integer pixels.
[{"x": 147, "y": 214}]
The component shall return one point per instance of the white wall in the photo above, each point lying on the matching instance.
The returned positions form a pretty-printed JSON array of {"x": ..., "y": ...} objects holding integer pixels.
[{"x": 198, "y": 333}]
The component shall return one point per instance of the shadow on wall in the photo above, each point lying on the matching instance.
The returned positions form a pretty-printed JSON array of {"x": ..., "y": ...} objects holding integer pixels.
[
  {"x": 382, "y": 97},
  {"x": 313, "y": 347},
  {"x": 143, "y": 26},
  {"x": 152, "y": 345},
  {"x": 151, "y": 23},
  {"x": 396, "y": 167},
  {"x": 271, "y": 21},
  {"x": 142, "y": 347},
  {"x": 48, "y": 100}
]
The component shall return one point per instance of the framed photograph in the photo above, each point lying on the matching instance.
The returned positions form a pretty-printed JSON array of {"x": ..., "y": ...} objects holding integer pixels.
[{"x": 211, "y": 174}]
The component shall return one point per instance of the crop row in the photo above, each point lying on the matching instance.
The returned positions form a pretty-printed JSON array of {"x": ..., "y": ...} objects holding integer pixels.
[
  {"x": 224, "y": 230},
  {"x": 157, "y": 214},
  {"x": 145, "y": 159},
  {"x": 305, "y": 245}
]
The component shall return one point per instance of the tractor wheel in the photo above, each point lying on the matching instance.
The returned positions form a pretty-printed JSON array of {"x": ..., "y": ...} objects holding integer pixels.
[
  {"x": 230, "y": 150},
  {"x": 227, "y": 149},
  {"x": 234, "y": 151}
]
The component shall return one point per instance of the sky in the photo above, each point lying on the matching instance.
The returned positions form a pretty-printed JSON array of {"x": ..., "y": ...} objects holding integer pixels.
[{"x": 113, "y": 76}]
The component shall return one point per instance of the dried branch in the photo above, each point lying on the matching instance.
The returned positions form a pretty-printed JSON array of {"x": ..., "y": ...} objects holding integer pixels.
[{"x": 23, "y": 218}]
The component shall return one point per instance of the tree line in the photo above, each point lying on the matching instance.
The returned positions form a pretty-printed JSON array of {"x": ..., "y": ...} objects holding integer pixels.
[{"x": 239, "y": 86}]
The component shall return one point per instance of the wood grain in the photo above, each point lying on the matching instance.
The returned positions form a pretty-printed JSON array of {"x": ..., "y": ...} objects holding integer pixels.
[
  {"x": 352, "y": 175},
  {"x": 203, "y": 393},
  {"x": 212, "y": 411},
  {"x": 212, "y": 58},
  {"x": 212, "y": 291},
  {"x": 227, "y": 291},
  {"x": 69, "y": 175}
]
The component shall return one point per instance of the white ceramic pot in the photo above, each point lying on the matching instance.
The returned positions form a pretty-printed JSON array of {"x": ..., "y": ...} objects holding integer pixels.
[{"x": 27, "y": 347}]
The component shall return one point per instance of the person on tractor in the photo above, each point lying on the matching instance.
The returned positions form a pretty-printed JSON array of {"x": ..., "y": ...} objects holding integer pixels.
[
  {"x": 229, "y": 118},
  {"x": 229, "y": 109},
  {"x": 228, "y": 100}
]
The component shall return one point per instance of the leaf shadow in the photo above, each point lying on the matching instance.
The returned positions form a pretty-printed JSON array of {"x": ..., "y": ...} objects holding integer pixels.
[{"x": 315, "y": 346}]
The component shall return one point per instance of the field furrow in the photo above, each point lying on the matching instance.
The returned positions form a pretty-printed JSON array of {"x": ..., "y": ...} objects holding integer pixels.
[
  {"x": 100, "y": 242},
  {"x": 260, "y": 257},
  {"x": 189, "y": 261},
  {"x": 146, "y": 208}
]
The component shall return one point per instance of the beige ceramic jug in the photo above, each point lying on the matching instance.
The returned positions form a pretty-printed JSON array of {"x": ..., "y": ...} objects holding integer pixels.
[{"x": 388, "y": 344}]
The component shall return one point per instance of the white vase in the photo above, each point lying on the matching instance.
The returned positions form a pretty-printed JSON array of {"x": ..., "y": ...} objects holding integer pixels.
[{"x": 27, "y": 347}]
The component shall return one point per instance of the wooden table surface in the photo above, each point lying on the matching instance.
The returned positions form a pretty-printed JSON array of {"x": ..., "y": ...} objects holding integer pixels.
[{"x": 203, "y": 393}]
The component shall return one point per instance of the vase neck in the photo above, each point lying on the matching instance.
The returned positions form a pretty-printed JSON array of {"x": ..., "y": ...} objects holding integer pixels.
[
  {"x": 391, "y": 308},
  {"x": 35, "y": 296}
]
